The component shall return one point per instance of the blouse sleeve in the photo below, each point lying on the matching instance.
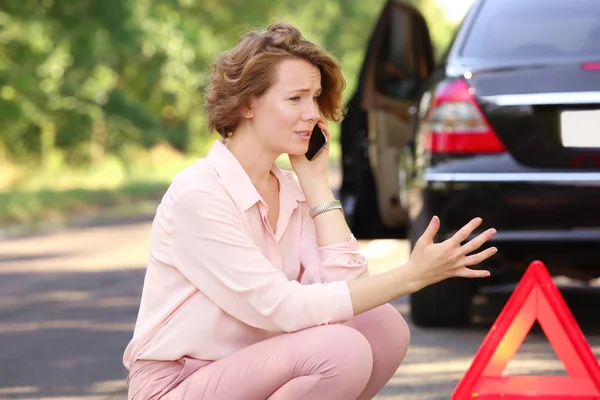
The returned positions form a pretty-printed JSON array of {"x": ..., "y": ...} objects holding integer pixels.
[{"x": 335, "y": 262}]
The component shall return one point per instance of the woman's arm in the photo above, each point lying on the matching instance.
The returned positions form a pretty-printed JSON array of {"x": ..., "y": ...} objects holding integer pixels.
[
  {"x": 328, "y": 251},
  {"x": 330, "y": 226},
  {"x": 212, "y": 248},
  {"x": 429, "y": 263}
]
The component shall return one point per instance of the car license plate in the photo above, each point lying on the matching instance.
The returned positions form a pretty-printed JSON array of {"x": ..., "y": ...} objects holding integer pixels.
[{"x": 580, "y": 128}]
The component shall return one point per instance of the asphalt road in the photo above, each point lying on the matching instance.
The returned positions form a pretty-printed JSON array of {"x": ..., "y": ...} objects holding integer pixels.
[{"x": 68, "y": 302}]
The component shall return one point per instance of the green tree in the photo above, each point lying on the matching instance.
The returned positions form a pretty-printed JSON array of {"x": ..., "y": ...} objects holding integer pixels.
[{"x": 82, "y": 79}]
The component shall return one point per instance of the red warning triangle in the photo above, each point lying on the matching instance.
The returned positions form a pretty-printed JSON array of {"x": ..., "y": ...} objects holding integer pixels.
[{"x": 536, "y": 297}]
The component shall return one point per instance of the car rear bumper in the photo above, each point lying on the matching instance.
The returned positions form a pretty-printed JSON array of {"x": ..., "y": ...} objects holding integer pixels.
[
  {"x": 517, "y": 207},
  {"x": 554, "y": 217},
  {"x": 587, "y": 179},
  {"x": 569, "y": 252}
]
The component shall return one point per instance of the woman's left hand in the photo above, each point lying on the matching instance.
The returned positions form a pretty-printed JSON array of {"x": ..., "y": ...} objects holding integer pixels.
[{"x": 317, "y": 168}]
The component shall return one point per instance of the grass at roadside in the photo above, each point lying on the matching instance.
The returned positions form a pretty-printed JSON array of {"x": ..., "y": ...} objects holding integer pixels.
[
  {"x": 33, "y": 207},
  {"x": 110, "y": 190},
  {"x": 58, "y": 193}
]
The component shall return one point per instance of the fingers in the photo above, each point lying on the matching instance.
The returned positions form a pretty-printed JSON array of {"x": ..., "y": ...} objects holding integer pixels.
[
  {"x": 322, "y": 123},
  {"x": 472, "y": 273},
  {"x": 475, "y": 259},
  {"x": 479, "y": 257},
  {"x": 465, "y": 231},
  {"x": 431, "y": 231},
  {"x": 478, "y": 241}
]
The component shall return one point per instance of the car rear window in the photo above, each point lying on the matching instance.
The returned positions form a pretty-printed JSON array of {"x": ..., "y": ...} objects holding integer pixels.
[{"x": 540, "y": 29}]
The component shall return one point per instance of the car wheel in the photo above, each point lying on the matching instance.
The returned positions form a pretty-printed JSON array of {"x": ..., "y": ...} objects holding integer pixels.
[{"x": 444, "y": 304}]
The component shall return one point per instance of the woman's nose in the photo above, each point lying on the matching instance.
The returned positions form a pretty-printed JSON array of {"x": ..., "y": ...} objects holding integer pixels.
[{"x": 311, "y": 113}]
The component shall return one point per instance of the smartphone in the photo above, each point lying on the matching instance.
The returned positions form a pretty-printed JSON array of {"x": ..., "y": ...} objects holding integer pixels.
[{"x": 318, "y": 140}]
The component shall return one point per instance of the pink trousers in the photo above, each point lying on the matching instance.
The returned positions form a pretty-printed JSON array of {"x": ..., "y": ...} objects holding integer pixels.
[{"x": 341, "y": 361}]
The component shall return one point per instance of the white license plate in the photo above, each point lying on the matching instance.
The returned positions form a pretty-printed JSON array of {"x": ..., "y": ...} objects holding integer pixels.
[{"x": 580, "y": 128}]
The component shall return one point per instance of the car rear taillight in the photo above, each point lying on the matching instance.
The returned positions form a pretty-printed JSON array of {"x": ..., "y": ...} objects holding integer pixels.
[
  {"x": 455, "y": 123},
  {"x": 591, "y": 66}
]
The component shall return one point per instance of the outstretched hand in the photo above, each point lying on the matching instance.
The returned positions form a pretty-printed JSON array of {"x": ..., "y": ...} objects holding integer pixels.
[{"x": 432, "y": 262}]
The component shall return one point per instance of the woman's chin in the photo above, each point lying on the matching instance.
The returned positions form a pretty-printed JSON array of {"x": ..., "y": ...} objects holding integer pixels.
[
  {"x": 297, "y": 153},
  {"x": 290, "y": 151},
  {"x": 297, "y": 150}
]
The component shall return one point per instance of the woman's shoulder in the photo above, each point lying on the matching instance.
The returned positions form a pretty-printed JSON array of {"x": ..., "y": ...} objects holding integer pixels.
[{"x": 199, "y": 177}]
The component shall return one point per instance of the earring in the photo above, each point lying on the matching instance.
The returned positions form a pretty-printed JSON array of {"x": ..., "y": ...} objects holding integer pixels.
[{"x": 247, "y": 113}]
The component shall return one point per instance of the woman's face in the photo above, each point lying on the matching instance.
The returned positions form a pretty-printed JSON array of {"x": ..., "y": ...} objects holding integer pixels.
[{"x": 283, "y": 118}]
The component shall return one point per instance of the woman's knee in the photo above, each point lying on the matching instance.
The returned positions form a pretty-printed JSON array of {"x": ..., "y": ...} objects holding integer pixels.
[
  {"x": 339, "y": 357},
  {"x": 385, "y": 326},
  {"x": 344, "y": 343},
  {"x": 396, "y": 322},
  {"x": 347, "y": 350}
]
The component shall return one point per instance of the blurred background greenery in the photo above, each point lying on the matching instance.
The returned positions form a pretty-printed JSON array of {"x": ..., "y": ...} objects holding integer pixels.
[{"x": 101, "y": 100}]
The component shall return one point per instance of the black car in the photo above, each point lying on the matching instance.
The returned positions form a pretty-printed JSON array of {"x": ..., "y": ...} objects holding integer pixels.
[{"x": 506, "y": 126}]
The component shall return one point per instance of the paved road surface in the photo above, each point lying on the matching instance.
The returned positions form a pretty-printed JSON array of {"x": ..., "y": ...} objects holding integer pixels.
[{"x": 68, "y": 301}]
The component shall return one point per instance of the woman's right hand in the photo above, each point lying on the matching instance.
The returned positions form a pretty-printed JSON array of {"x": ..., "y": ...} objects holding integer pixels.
[{"x": 433, "y": 262}]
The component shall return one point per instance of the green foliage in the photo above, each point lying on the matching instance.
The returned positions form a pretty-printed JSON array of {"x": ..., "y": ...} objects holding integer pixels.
[
  {"x": 26, "y": 207},
  {"x": 84, "y": 80},
  {"x": 441, "y": 29}
]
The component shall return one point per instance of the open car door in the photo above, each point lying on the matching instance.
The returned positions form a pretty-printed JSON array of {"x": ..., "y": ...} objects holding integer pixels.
[{"x": 378, "y": 128}]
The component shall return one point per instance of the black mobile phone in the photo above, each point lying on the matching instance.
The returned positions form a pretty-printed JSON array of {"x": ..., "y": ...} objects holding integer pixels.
[{"x": 318, "y": 140}]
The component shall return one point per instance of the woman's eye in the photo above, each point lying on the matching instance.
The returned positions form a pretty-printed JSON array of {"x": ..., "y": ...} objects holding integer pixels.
[{"x": 297, "y": 98}]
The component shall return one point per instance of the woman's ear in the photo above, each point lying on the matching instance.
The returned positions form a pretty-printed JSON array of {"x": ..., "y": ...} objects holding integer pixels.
[{"x": 247, "y": 110}]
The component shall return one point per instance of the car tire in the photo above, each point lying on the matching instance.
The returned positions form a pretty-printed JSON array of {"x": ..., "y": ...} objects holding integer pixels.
[{"x": 444, "y": 304}]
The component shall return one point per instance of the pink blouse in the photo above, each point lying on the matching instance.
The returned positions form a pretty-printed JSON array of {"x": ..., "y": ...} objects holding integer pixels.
[{"x": 218, "y": 279}]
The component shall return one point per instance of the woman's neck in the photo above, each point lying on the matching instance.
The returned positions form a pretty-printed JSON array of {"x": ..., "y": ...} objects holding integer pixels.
[{"x": 252, "y": 156}]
